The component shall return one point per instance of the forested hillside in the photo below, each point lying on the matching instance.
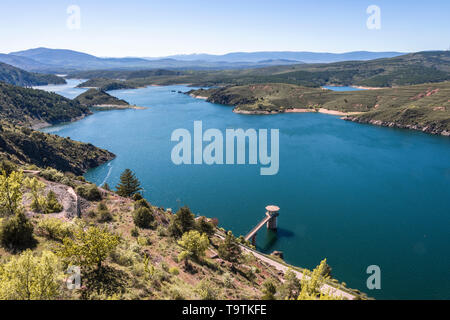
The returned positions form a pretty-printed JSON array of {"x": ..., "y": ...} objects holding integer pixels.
[
  {"x": 19, "y": 77},
  {"x": 32, "y": 107}
]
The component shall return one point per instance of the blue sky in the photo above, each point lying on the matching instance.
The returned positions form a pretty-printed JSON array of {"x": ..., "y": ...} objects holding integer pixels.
[{"x": 158, "y": 28}]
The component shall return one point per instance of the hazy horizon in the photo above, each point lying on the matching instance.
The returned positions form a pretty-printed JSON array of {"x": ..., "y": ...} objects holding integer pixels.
[{"x": 159, "y": 29}]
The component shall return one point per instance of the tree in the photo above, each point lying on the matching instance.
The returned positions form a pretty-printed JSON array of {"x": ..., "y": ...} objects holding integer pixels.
[
  {"x": 89, "y": 248},
  {"x": 10, "y": 192},
  {"x": 269, "y": 290},
  {"x": 182, "y": 222},
  {"x": 51, "y": 203},
  {"x": 229, "y": 249},
  {"x": 36, "y": 187},
  {"x": 16, "y": 232},
  {"x": 204, "y": 226},
  {"x": 128, "y": 185},
  {"x": 194, "y": 244},
  {"x": 312, "y": 282},
  {"x": 143, "y": 217},
  {"x": 291, "y": 286},
  {"x": 29, "y": 277}
]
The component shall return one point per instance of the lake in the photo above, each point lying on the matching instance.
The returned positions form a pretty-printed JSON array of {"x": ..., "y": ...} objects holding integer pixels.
[{"x": 358, "y": 195}]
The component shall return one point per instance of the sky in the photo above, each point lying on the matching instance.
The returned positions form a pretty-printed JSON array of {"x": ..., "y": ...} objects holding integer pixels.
[{"x": 148, "y": 28}]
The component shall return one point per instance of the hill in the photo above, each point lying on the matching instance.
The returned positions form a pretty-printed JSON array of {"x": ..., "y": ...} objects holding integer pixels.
[
  {"x": 424, "y": 107},
  {"x": 26, "y": 146},
  {"x": 416, "y": 68},
  {"x": 62, "y": 61},
  {"x": 16, "y": 76},
  {"x": 171, "y": 256},
  {"x": 36, "y": 108},
  {"x": 305, "y": 57},
  {"x": 101, "y": 100}
]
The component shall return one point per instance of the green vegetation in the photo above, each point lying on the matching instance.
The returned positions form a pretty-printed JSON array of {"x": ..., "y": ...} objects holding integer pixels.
[
  {"x": 183, "y": 221},
  {"x": 143, "y": 217},
  {"x": 118, "y": 260},
  {"x": 128, "y": 185},
  {"x": 194, "y": 244},
  {"x": 30, "y": 277},
  {"x": 229, "y": 249},
  {"x": 52, "y": 204},
  {"x": 25, "y": 146},
  {"x": 16, "y": 232},
  {"x": 423, "y": 107},
  {"x": 19, "y": 77},
  {"x": 32, "y": 107},
  {"x": 89, "y": 192},
  {"x": 99, "y": 98},
  {"x": 415, "y": 68},
  {"x": 10, "y": 193}
]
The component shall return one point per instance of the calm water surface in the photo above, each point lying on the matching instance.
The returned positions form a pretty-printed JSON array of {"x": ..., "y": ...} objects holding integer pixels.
[{"x": 356, "y": 194}]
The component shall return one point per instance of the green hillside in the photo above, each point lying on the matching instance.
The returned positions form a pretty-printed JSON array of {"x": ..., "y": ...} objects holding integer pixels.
[
  {"x": 25, "y": 146},
  {"x": 36, "y": 107},
  {"x": 94, "y": 97},
  {"x": 415, "y": 68},
  {"x": 423, "y": 107},
  {"x": 19, "y": 77}
]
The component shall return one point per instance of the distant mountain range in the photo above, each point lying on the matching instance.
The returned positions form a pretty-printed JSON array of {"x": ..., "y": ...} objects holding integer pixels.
[
  {"x": 305, "y": 57},
  {"x": 63, "y": 61}
]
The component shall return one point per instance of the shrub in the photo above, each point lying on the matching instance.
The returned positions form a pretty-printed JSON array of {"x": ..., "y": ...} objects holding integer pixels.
[
  {"x": 143, "y": 217},
  {"x": 16, "y": 232},
  {"x": 51, "y": 204},
  {"x": 194, "y": 244},
  {"x": 207, "y": 291},
  {"x": 182, "y": 222},
  {"x": 174, "y": 271},
  {"x": 135, "y": 232},
  {"x": 52, "y": 174},
  {"x": 103, "y": 213},
  {"x": 29, "y": 277},
  {"x": 142, "y": 203},
  {"x": 89, "y": 192},
  {"x": 54, "y": 229},
  {"x": 137, "y": 197},
  {"x": 204, "y": 226},
  {"x": 7, "y": 166}
]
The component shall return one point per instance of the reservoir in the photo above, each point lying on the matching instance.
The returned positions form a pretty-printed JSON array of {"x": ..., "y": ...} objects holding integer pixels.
[{"x": 358, "y": 195}]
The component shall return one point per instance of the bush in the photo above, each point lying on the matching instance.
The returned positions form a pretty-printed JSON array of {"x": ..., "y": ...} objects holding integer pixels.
[
  {"x": 52, "y": 174},
  {"x": 142, "y": 203},
  {"x": 17, "y": 232},
  {"x": 103, "y": 213},
  {"x": 135, "y": 232},
  {"x": 143, "y": 217},
  {"x": 182, "y": 222},
  {"x": 54, "y": 229},
  {"x": 174, "y": 271},
  {"x": 51, "y": 204},
  {"x": 89, "y": 192},
  {"x": 137, "y": 197}
]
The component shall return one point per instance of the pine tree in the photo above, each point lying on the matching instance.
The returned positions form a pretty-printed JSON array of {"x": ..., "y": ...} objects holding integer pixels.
[
  {"x": 128, "y": 185},
  {"x": 229, "y": 249}
]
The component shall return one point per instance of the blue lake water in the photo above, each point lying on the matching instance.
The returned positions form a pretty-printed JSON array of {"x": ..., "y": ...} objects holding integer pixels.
[{"x": 358, "y": 195}]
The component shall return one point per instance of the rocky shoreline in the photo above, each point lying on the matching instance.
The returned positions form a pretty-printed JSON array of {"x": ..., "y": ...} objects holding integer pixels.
[{"x": 392, "y": 124}]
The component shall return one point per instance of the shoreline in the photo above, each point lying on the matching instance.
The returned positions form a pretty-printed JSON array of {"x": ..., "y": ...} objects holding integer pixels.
[{"x": 298, "y": 110}]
